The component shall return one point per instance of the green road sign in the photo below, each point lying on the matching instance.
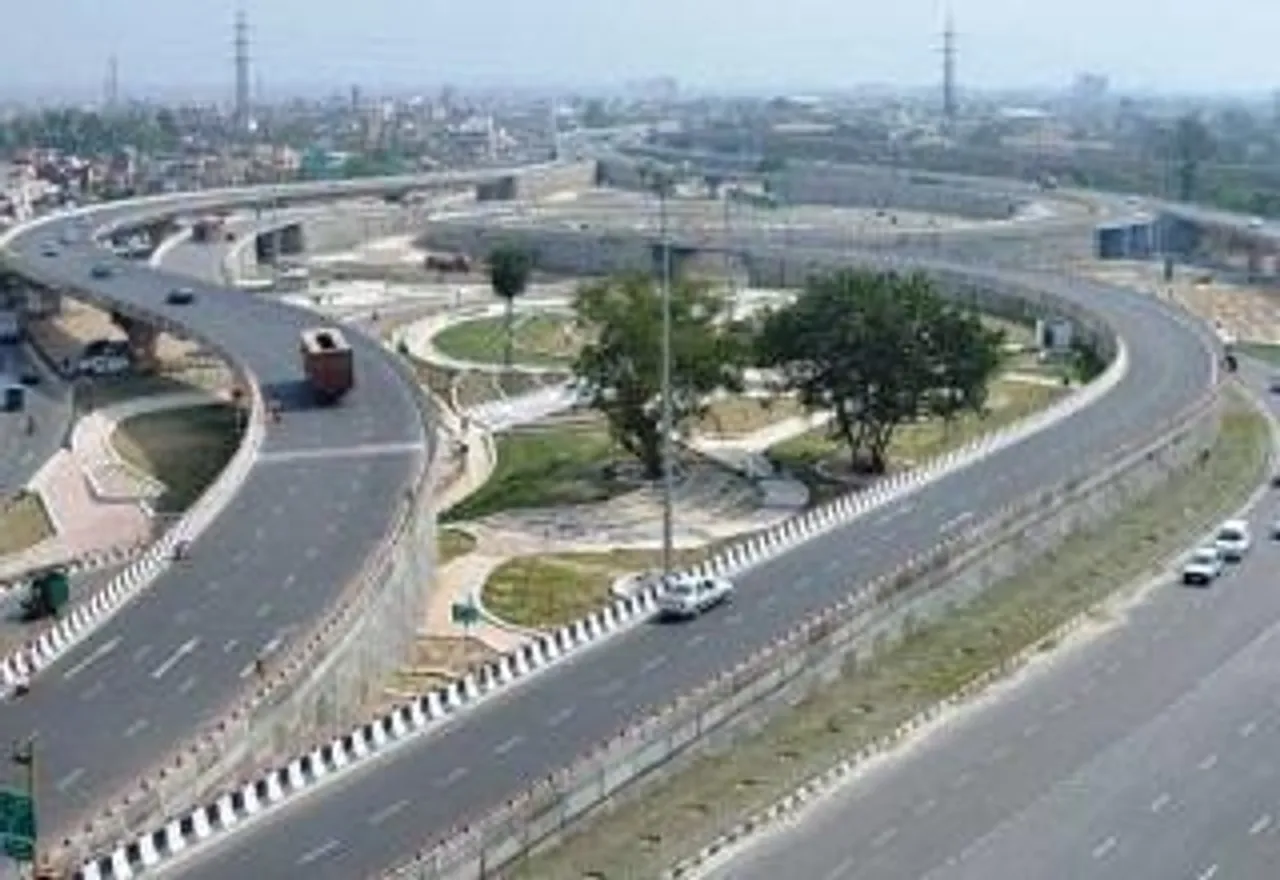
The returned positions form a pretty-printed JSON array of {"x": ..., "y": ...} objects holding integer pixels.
[
  {"x": 17, "y": 824},
  {"x": 465, "y": 613}
]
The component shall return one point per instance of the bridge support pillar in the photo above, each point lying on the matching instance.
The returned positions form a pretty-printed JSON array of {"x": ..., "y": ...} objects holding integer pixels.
[
  {"x": 1253, "y": 261},
  {"x": 142, "y": 339}
]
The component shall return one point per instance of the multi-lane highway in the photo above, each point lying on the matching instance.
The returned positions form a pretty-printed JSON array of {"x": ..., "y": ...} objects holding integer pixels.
[
  {"x": 1150, "y": 753},
  {"x": 371, "y": 820},
  {"x": 278, "y": 556},
  {"x": 29, "y": 437},
  {"x": 321, "y": 497}
]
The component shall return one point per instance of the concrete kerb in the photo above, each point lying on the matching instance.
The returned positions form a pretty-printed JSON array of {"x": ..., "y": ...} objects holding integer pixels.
[
  {"x": 420, "y": 715},
  {"x": 795, "y": 802},
  {"x": 879, "y": 591},
  {"x": 44, "y": 649}
]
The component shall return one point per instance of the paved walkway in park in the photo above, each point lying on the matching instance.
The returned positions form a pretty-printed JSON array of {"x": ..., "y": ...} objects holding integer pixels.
[{"x": 96, "y": 501}]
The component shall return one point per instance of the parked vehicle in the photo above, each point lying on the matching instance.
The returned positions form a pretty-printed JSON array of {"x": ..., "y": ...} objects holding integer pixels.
[{"x": 328, "y": 363}]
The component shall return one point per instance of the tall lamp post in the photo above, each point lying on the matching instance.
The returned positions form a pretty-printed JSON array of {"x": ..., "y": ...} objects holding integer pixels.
[{"x": 662, "y": 182}]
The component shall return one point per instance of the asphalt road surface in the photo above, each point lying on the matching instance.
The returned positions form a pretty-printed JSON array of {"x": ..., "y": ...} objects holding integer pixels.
[
  {"x": 378, "y": 816},
  {"x": 1151, "y": 752},
  {"x": 320, "y": 499},
  {"x": 48, "y": 404}
]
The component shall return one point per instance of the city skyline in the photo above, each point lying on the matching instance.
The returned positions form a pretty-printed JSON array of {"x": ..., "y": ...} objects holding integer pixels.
[{"x": 170, "y": 50}]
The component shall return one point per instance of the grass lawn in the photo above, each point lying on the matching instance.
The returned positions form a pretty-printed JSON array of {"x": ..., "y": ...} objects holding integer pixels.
[
  {"x": 545, "y": 467},
  {"x": 184, "y": 448},
  {"x": 451, "y": 543},
  {"x": 740, "y": 415},
  {"x": 1261, "y": 351},
  {"x": 671, "y": 818},
  {"x": 546, "y": 340},
  {"x": 919, "y": 442},
  {"x": 556, "y": 589},
  {"x": 24, "y": 522}
]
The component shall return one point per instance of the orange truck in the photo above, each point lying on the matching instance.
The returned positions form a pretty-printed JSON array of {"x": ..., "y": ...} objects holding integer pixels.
[{"x": 328, "y": 364}]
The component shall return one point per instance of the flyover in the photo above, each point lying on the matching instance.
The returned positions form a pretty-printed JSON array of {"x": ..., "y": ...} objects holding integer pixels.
[
  {"x": 1162, "y": 379},
  {"x": 486, "y": 754},
  {"x": 315, "y": 511}
]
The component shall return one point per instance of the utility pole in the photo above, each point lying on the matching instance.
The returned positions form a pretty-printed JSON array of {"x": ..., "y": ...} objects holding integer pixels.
[
  {"x": 668, "y": 416},
  {"x": 113, "y": 83}
]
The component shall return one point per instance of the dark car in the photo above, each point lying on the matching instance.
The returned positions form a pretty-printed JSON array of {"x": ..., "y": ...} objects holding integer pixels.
[
  {"x": 102, "y": 270},
  {"x": 181, "y": 296},
  {"x": 29, "y": 377},
  {"x": 49, "y": 251}
]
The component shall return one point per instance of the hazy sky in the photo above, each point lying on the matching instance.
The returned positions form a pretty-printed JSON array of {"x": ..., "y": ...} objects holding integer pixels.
[{"x": 1171, "y": 45}]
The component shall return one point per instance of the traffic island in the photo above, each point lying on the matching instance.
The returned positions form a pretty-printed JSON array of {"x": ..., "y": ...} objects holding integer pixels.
[
  {"x": 24, "y": 522},
  {"x": 822, "y": 462},
  {"x": 537, "y": 340},
  {"x": 690, "y": 801},
  {"x": 182, "y": 449}
]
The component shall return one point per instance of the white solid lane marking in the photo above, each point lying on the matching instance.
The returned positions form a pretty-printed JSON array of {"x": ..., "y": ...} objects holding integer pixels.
[
  {"x": 230, "y": 646},
  {"x": 507, "y": 745},
  {"x": 69, "y": 780},
  {"x": 319, "y": 852},
  {"x": 1100, "y": 851},
  {"x": 387, "y": 812},
  {"x": 884, "y": 837},
  {"x": 1208, "y": 873},
  {"x": 1263, "y": 823},
  {"x": 93, "y": 691},
  {"x": 288, "y": 582},
  {"x": 1209, "y": 762},
  {"x": 100, "y": 652},
  {"x": 560, "y": 717},
  {"x": 454, "y": 775},
  {"x": 263, "y": 610},
  {"x": 1247, "y": 730},
  {"x": 136, "y": 728},
  {"x": 176, "y": 657},
  {"x": 653, "y": 663},
  {"x": 957, "y": 521},
  {"x": 845, "y": 866},
  {"x": 187, "y": 685},
  {"x": 1161, "y": 802}
]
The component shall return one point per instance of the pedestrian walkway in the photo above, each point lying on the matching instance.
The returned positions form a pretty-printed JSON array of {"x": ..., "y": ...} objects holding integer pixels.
[{"x": 97, "y": 503}]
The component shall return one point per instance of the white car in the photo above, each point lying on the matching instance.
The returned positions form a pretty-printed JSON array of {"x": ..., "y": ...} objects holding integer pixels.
[
  {"x": 686, "y": 596},
  {"x": 1233, "y": 540},
  {"x": 1203, "y": 568}
]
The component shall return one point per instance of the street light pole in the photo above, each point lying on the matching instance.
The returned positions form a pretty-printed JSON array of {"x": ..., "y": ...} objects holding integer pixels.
[{"x": 667, "y": 412}]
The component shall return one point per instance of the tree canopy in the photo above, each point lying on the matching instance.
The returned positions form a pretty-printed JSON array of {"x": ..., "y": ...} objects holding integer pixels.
[
  {"x": 879, "y": 350},
  {"x": 621, "y": 368},
  {"x": 510, "y": 267}
]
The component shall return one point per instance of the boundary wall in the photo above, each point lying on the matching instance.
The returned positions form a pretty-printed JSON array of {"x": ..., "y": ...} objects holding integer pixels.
[{"x": 828, "y": 645}]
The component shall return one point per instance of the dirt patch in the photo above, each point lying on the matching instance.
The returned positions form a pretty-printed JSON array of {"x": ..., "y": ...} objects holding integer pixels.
[
  {"x": 24, "y": 523},
  {"x": 739, "y": 416}
]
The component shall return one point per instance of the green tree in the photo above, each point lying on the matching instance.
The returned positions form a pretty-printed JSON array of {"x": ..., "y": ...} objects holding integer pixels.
[
  {"x": 1193, "y": 145},
  {"x": 510, "y": 266},
  {"x": 621, "y": 369},
  {"x": 879, "y": 350}
]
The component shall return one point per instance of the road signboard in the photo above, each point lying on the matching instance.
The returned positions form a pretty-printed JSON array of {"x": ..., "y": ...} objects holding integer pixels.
[
  {"x": 17, "y": 824},
  {"x": 464, "y": 613}
]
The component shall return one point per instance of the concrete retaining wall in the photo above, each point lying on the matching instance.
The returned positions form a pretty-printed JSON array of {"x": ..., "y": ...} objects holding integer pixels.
[
  {"x": 830, "y": 644},
  {"x": 327, "y": 683}
]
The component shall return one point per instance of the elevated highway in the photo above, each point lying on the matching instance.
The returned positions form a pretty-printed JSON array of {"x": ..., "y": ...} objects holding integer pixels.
[
  {"x": 267, "y": 544},
  {"x": 326, "y": 489},
  {"x": 488, "y": 754}
]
